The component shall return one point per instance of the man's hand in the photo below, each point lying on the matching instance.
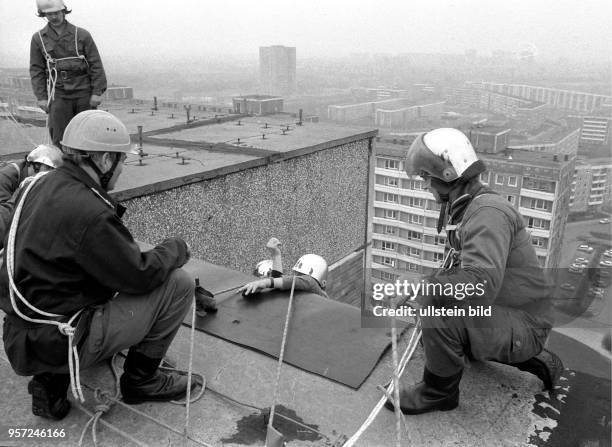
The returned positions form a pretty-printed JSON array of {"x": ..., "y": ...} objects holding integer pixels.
[
  {"x": 95, "y": 101},
  {"x": 255, "y": 286},
  {"x": 42, "y": 104}
]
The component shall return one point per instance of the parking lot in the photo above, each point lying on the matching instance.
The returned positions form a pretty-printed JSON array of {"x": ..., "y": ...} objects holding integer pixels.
[{"x": 582, "y": 293}]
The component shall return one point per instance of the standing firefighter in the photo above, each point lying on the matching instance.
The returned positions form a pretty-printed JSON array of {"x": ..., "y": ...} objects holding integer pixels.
[
  {"x": 65, "y": 67},
  {"x": 490, "y": 255},
  {"x": 77, "y": 289}
]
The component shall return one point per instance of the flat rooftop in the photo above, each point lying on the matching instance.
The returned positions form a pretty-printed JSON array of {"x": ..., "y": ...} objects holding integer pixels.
[{"x": 499, "y": 406}]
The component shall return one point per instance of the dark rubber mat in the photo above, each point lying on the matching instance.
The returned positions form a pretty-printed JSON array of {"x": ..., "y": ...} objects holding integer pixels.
[{"x": 325, "y": 336}]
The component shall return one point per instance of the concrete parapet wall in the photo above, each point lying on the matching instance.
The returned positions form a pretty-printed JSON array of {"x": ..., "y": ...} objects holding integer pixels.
[{"x": 314, "y": 203}]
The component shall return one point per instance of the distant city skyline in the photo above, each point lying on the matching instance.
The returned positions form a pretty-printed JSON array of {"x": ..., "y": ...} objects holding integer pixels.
[{"x": 189, "y": 29}]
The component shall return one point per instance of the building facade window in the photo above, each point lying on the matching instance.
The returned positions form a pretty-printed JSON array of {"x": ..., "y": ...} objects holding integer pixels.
[
  {"x": 512, "y": 180},
  {"x": 511, "y": 199},
  {"x": 390, "y": 198},
  {"x": 534, "y": 222},
  {"x": 388, "y": 246},
  {"x": 438, "y": 257},
  {"x": 499, "y": 179},
  {"x": 389, "y": 229},
  {"x": 484, "y": 177},
  {"x": 391, "y": 164},
  {"x": 391, "y": 214},
  {"x": 387, "y": 276},
  {"x": 414, "y": 252},
  {"x": 388, "y": 261},
  {"x": 391, "y": 181},
  {"x": 416, "y": 219}
]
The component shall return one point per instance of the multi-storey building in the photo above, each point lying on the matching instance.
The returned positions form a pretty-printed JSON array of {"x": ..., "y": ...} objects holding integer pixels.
[
  {"x": 595, "y": 130},
  {"x": 277, "y": 73},
  {"x": 399, "y": 118},
  {"x": 562, "y": 99},
  {"x": 528, "y": 113},
  {"x": 591, "y": 185}
]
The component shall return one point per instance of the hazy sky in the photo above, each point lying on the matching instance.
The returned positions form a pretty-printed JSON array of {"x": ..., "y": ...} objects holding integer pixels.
[{"x": 165, "y": 30}]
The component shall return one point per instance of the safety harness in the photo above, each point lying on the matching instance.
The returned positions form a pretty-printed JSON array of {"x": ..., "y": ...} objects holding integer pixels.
[
  {"x": 65, "y": 328},
  {"x": 52, "y": 64}
]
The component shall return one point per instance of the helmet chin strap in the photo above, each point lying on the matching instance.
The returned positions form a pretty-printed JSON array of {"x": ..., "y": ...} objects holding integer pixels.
[{"x": 104, "y": 177}]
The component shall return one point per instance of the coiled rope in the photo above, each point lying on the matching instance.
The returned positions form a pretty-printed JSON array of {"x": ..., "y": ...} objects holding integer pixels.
[{"x": 106, "y": 400}]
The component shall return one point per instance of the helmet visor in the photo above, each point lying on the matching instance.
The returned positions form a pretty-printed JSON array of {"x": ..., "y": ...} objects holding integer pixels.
[{"x": 421, "y": 160}]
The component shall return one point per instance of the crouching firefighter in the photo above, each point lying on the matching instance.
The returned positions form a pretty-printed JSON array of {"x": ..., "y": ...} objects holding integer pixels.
[
  {"x": 77, "y": 289},
  {"x": 490, "y": 255}
]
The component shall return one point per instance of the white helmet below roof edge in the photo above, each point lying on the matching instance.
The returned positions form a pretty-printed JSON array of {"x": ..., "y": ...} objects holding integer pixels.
[
  {"x": 45, "y": 6},
  {"x": 46, "y": 154},
  {"x": 97, "y": 131},
  {"x": 263, "y": 269},
  {"x": 444, "y": 153},
  {"x": 314, "y": 266}
]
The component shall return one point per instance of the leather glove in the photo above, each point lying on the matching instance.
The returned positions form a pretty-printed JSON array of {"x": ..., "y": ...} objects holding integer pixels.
[
  {"x": 42, "y": 104},
  {"x": 273, "y": 246},
  {"x": 255, "y": 286},
  {"x": 95, "y": 101}
]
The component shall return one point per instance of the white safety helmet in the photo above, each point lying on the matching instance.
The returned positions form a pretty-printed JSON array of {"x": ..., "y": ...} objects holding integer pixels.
[
  {"x": 263, "y": 269},
  {"x": 444, "y": 153},
  {"x": 46, "y": 154},
  {"x": 97, "y": 131},
  {"x": 314, "y": 266},
  {"x": 46, "y": 6}
]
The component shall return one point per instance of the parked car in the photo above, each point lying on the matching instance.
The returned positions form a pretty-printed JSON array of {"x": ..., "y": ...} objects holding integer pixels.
[
  {"x": 604, "y": 221},
  {"x": 596, "y": 292},
  {"x": 581, "y": 261},
  {"x": 568, "y": 286},
  {"x": 576, "y": 268},
  {"x": 585, "y": 247},
  {"x": 605, "y": 263}
]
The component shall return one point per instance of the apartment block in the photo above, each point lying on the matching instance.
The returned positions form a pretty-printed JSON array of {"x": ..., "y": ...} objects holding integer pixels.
[
  {"x": 592, "y": 185},
  {"x": 399, "y": 118},
  {"x": 277, "y": 72},
  {"x": 558, "y": 98}
]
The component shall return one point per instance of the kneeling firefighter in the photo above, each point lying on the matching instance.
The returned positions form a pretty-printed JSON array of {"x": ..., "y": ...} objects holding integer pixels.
[
  {"x": 489, "y": 253},
  {"x": 76, "y": 287}
]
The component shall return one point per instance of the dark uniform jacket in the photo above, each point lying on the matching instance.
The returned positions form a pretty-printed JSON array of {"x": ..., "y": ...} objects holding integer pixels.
[
  {"x": 494, "y": 248},
  {"x": 76, "y": 77},
  {"x": 73, "y": 251},
  {"x": 11, "y": 176}
]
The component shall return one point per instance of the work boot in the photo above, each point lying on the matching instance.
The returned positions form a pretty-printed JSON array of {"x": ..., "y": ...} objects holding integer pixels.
[
  {"x": 49, "y": 395},
  {"x": 434, "y": 393},
  {"x": 143, "y": 381},
  {"x": 546, "y": 365}
]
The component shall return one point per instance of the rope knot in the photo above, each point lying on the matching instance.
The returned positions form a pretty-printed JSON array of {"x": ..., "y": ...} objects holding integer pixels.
[{"x": 66, "y": 329}]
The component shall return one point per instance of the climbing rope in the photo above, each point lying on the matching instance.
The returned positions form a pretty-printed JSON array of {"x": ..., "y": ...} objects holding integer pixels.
[
  {"x": 281, "y": 356},
  {"x": 65, "y": 328},
  {"x": 412, "y": 344},
  {"x": 105, "y": 400}
]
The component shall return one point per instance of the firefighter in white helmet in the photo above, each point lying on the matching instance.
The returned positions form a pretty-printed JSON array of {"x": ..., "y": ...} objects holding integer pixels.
[
  {"x": 489, "y": 253},
  {"x": 76, "y": 255},
  {"x": 43, "y": 158},
  {"x": 310, "y": 275},
  {"x": 65, "y": 68}
]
